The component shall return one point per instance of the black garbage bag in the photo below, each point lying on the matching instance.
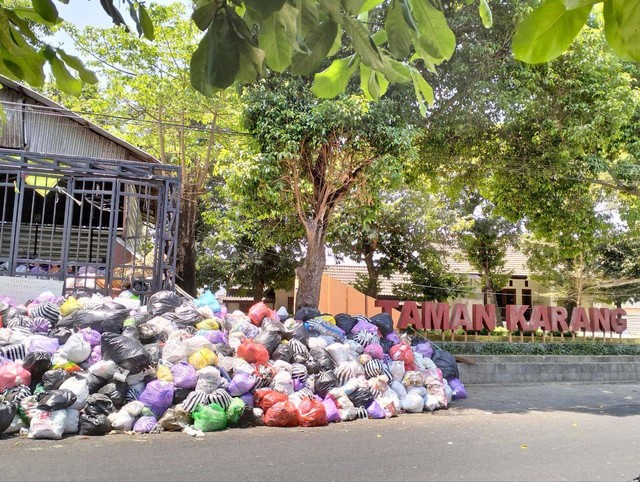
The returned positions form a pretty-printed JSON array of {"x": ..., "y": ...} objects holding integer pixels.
[
  {"x": 269, "y": 339},
  {"x": 93, "y": 424},
  {"x": 183, "y": 316},
  {"x": 180, "y": 395},
  {"x": 324, "y": 382},
  {"x": 98, "y": 404},
  {"x": 386, "y": 344},
  {"x": 16, "y": 394},
  {"x": 313, "y": 366},
  {"x": 61, "y": 333},
  {"x": 94, "y": 383},
  {"x": 345, "y": 322},
  {"x": 7, "y": 413},
  {"x": 37, "y": 363},
  {"x": 154, "y": 351},
  {"x": 301, "y": 358},
  {"x": 116, "y": 391},
  {"x": 163, "y": 302},
  {"x": 273, "y": 325},
  {"x": 446, "y": 362},
  {"x": 246, "y": 419},
  {"x": 56, "y": 400},
  {"x": 105, "y": 319},
  {"x": 223, "y": 349},
  {"x": 148, "y": 333},
  {"x": 52, "y": 379},
  {"x": 321, "y": 356},
  {"x": 282, "y": 352},
  {"x": 361, "y": 397},
  {"x": 131, "y": 332},
  {"x": 383, "y": 321},
  {"x": 299, "y": 333},
  {"x": 126, "y": 353},
  {"x": 305, "y": 314}
]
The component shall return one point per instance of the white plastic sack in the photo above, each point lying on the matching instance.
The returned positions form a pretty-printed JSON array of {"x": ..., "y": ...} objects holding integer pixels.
[
  {"x": 195, "y": 343},
  {"x": 174, "y": 351},
  {"x": 47, "y": 425},
  {"x": 448, "y": 391},
  {"x": 71, "y": 421},
  {"x": 16, "y": 425},
  {"x": 76, "y": 349},
  {"x": 161, "y": 325},
  {"x": 122, "y": 420},
  {"x": 281, "y": 365},
  {"x": 350, "y": 386},
  {"x": 103, "y": 369},
  {"x": 431, "y": 404},
  {"x": 235, "y": 339},
  {"x": 135, "y": 378},
  {"x": 134, "y": 408},
  {"x": 317, "y": 342},
  {"x": 81, "y": 390},
  {"x": 412, "y": 403},
  {"x": 398, "y": 388},
  {"x": 397, "y": 370},
  {"x": 339, "y": 353},
  {"x": 283, "y": 382}
]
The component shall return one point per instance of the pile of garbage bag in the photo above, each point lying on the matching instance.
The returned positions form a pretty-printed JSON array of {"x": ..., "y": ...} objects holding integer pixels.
[{"x": 88, "y": 365}]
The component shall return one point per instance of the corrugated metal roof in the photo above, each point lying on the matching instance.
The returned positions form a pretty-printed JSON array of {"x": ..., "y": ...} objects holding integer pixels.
[{"x": 39, "y": 137}]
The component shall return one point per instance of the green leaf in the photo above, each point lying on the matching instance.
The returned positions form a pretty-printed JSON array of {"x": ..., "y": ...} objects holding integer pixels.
[
  {"x": 66, "y": 82},
  {"x": 146, "y": 23},
  {"x": 319, "y": 42},
  {"x": 397, "y": 31},
  {"x": 573, "y": 4},
  {"x": 435, "y": 35},
  {"x": 362, "y": 42},
  {"x": 76, "y": 64},
  {"x": 397, "y": 71},
  {"x": 485, "y": 14},
  {"x": 216, "y": 61},
  {"x": 274, "y": 40},
  {"x": 622, "y": 28},
  {"x": 46, "y": 9},
  {"x": 548, "y": 31},
  {"x": 336, "y": 44},
  {"x": 369, "y": 5},
  {"x": 424, "y": 92},
  {"x": 203, "y": 15},
  {"x": 27, "y": 13},
  {"x": 352, "y": 6},
  {"x": 331, "y": 8},
  {"x": 380, "y": 37},
  {"x": 263, "y": 8},
  {"x": 333, "y": 81}
]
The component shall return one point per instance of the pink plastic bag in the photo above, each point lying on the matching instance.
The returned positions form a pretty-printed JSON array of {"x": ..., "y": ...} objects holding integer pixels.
[{"x": 12, "y": 374}]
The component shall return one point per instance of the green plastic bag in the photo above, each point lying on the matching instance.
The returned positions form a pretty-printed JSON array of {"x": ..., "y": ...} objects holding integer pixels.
[
  {"x": 234, "y": 411},
  {"x": 210, "y": 418}
]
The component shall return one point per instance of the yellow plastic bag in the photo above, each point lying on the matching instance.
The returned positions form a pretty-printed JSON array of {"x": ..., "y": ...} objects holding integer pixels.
[
  {"x": 163, "y": 373},
  {"x": 329, "y": 319},
  {"x": 69, "y": 306},
  {"x": 209, "y": 324},
  {"x": 203, "y": 358}
]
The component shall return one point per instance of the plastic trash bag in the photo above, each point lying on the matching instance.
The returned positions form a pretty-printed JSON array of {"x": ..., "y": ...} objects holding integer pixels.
[
  {"x": 446, "y": 362},
  {"x": 240, "y": 384},
  {"x": 282, "y": 414},
  {"x": 103, "y": 319},
  {"x": 383, "y": 322},
  {"x": 184, "y": 316},
  {"x": 52, "y": 379},
  {"x": 375, "y": 411},
  {"x": 323, "y": 328},
  {"x": 363, "y": 324},
  {"x": 56, "y": 400},
  {"x": 104, "y": 369},
  {"x": 269, "y": 339},
  {"x": 61, "y": 334},
  {"x": 122, "y": 421},
  {"x": 158, "y": 396},
  {"x": 345, "y": 322},
  {"x": 93, "y": 424},
  {"x": 184, "y": 375},
  {"x": 71, "y": 421},
  {"x": 333, "y": 415},
  {"x": 234, "y": 411},
  {"x": 282, "y": 352},
  {"x": 312, "y": 413},
  {"x": 425, "y": 349},
  {"x": 361, "y": 397},
  {"x": 253, "y": 353},
  {"x": 375, "y": 351},
  {"x": 324, "y": 382},
  {"x": 203, "y": 358},
  {"x": 414, "y": 379},
  {"x": 259, "y": 311},
  {"x": 43, "y": 343},
  {"x": 282, "y": 382},
  {"x": 163, "y": 302},
  {"x": 208, "y": 299},
  {"x": 91, "y": 336},
  {"x": 116, "y": 391},
  {"x": 245, "y": 420},
  {"x": 214, "y": 336},
  {"x": 339, "y": 353},
  {"x": 174, "y": 351},
  {"x": 265, "y": 398},
  {"x": 209, "y": 418},
  {"x": 13, "y": 374},
  {"x": 145, "y": 424},
  {"x": 69, "y": 306},
  {"x": 76, "y": 349},
  {"x": 412, "y": 403},
  {"x": 175, "y": 419},
  {"x": 80, "y": 389},
  {"x": 127, "y": 353},
  {"x": 47, "y": 425},
  {"x": 7, "y": 413},
  {"x": 402, "y": 352},
  {"x": 163, "y": 372},
  {"x": 304, "y": 314},
  {"x": 195, "y": 343},
  {"x": 37, "y": 363},
  {"x": 295, "y": 330},
  {"x": 458, "y": 389}
]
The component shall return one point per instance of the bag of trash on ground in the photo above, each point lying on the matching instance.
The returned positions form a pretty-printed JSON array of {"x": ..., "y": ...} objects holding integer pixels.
[{"x": 209, "y": 418}]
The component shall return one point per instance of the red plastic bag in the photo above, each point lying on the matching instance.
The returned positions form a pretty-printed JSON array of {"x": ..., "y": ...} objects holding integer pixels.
[
  {"x": 12, "y": 374},
  {"x": 312, "y": 413},
  {"x": 259, "y": 312},
  {"x": 282, "y": 414},
  {"x": 253, "y": 353},
  {"x": 265, "y": 398},
  {"x": 402, "y": 352}
]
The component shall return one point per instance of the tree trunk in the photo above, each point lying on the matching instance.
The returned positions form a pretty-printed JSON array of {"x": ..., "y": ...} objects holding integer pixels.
[
  {"x": 186, "y": 262},
  {"x": 310, "y": 273},
  {"x": 374, "y": 276},
  {"x": 258, "y": 291},
  {"x": 492, "y": 298}
]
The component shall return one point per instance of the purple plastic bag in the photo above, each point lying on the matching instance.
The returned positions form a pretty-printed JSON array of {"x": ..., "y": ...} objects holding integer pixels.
[
  {"x": 158, "y": 396},
  {"x": 92, "y": 337},
  {"x": 364, "y": 325},
  {"x": 375, "y": 410},
  {"x": 393, "y": 337},
  {"x": 184, "y": 375},
  {"x": 214, "y": 336},
  {"x": 425, "y": 349},
  {"x": 247, "y": 398},
  {"x": 50, "y": 345},
  {"x": 457, "y": 388},
  {"x": 145, "y": 424},
  {"x": 241, "y": 383},
  {"x": 332, "y": 411},
  {"x": 95, "y": 357},
  {"x": 374, "y": 350},
  {"x": 298, "y": 384},
  {"x": 40, "y": 325}
]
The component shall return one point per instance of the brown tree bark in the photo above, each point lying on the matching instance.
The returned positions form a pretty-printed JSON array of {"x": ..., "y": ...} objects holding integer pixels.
[
  {"x": 310, "y": 273},
  {"x": 186, "y": 254},
  {"x": 373, "y": 274}
]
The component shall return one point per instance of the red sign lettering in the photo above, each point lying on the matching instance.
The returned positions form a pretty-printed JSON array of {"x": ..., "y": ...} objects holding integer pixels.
[
  {"x": 460, "y": 317},
  {"x": 410, "y": 316},
  {"x": 484, "y": 316},
  {"x": 516, "y": 319},
  {"x": 435, "y": 317},
  {"x": 558, "y": 316},
  {"x": 579, "y": 320},
  {"x": 618, "y": 323},
  {"x": 539, "y": 318}
]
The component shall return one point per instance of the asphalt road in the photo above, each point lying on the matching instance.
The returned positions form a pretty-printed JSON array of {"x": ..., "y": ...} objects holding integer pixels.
[{"x": 515, "y": 433}]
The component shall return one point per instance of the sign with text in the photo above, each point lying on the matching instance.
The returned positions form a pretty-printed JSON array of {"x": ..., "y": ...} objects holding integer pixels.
[
  {"x": 23, "y": 289},
  {"x": 442, "y": 316}
]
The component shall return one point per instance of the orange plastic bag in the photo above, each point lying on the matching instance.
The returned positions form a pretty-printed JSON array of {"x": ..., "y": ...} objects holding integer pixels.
[
  {"x": 282, "y": 414},
  {"x": 312, "y": 413},
  {"x": 253, "y": 353},
  {"x": 259, "y": 312},
  {"x": 402, "y": 352},
  {"x": 265, "y": 398}
]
